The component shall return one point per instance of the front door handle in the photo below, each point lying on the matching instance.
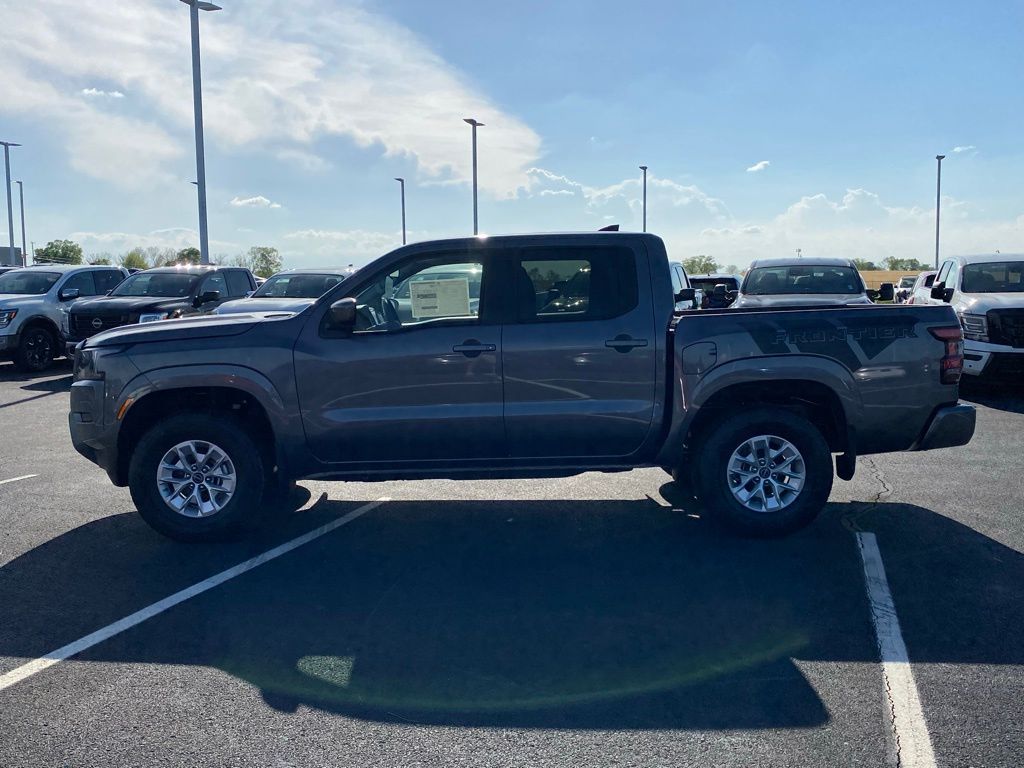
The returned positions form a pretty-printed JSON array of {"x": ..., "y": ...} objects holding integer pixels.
[
  {"x": 472, "y": 348},
  {"x": 624, "y": 343}
]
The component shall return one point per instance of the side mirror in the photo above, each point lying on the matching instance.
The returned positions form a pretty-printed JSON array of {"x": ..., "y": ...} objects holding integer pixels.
[
  {"x": 887, "y": 292},
  {"x": 873, "y": 294},
  {"x": 69, "y": 294},
  {"x": 342, "y": 315},
  {"x": 206, "y": 297},
  {"x": 938, "y": 289},
  {"x": 249, "y": 293},
  {"x": 685, "y": 295}
]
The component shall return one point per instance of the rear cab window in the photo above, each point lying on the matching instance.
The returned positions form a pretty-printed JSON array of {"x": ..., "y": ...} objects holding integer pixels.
[{"x": 573, "y": 283}]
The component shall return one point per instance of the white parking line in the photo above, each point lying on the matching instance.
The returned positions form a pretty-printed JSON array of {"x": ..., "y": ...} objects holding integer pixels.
[
  {"x": 16, "y": 479},
  {"x": 913, "y": 744},
  {"x": 71, "y": 649}
]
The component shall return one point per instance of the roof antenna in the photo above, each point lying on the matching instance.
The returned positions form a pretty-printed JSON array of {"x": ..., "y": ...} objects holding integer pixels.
[{"x": 609, "y": 228}]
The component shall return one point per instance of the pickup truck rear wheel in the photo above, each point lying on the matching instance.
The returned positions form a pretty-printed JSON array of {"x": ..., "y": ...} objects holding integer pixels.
[
  {"x": 765, "y": 472},
  {"x": 197, "y": 478}
]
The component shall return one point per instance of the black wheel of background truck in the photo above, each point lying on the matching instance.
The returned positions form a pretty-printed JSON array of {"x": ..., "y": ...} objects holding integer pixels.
[
  {"x": 197, "y": 477},
  {"x": 36, "y": 350},
  {"x": 765, "y": 472}
]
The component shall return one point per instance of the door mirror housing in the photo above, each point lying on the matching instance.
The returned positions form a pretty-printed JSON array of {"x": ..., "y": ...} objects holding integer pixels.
[
  {"x": 685, "y": 295},
  {"x": 69, "y": 294},
  {"x": 342, "y": 315},
  {"x": 207, "y": 297},
  {"x": 941, "y": 292},
  {"x": 887, "y": 292}
]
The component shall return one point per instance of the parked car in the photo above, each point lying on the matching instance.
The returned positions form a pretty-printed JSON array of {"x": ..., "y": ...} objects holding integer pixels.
[
  {"x": 904, "y": 287},
  {"x": 922, "y": 290},
  {"x": 165, "y": 293},
  {"x": 202, "y": 418},
  {"x": 289, "y": 291},
  {"x": 687, "y": 297},
  {"x": 706, "y": 285},
  {"x": 987, "y": 293},
  {"x": 34, "y": 305},
  {"x": 806, "y": 282}
]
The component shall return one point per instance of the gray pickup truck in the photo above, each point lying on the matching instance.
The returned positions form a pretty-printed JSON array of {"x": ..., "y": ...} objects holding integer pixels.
[{"x": 511, "y": 357}]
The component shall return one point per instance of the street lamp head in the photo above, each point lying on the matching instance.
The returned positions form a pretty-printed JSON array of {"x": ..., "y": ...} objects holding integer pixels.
[
  {"x": 399, "y": 178},
  {"x": 472, "y": 121},
  {"x": 9, "y": 144},
  {"x": 202, "y": 5},
  {"x": 940, "y": 157},
  {"x": 643, "y": 167}
]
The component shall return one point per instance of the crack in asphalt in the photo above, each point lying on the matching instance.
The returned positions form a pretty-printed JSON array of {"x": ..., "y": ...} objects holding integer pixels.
[{"x": 851, "y": 520}]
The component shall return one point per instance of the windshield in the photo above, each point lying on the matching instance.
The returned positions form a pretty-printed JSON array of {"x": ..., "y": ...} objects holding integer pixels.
[
  {"x": 802, "y": 280},
  {"x": 162, "y": 284},
  {"x": 907, "y": 282},
  {"x": 28, "y": 282},
  {"x": 304, "y": 286},
  {"x": 708, "y": 285},
  {"x": 997, "y": 277}
]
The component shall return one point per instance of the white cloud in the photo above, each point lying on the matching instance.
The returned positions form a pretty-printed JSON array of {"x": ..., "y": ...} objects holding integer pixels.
[
  {"x": 340, "y": 247},
  {"x": 275, "y": 76},
  {"x": 259, "y": 201},
  {"x": 759, "y": 166},
  {"x": 171, "y": 237},
  {"x": 306, "y": 161},
  {"x": 97, "y": 92},
  {"x": 967, "y": 148}
]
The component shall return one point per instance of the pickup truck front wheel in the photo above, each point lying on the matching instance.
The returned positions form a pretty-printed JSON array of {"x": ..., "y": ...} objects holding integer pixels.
[
  {"x": 765, "y": 472},
  {"x": 197, "y": 478}
]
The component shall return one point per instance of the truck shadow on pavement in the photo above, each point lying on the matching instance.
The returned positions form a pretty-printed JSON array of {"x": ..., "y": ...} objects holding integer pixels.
[{"x": 551, "y": 614}]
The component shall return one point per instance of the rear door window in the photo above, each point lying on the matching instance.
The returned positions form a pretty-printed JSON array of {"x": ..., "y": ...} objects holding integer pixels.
[
  {"x": 238, "y": 283},
  {"x": 107, "y": 279},
  {"x": 554, "y": 284},
  {"x": 83, "y": 282}
]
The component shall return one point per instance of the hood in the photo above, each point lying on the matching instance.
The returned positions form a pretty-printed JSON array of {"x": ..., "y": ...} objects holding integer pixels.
[
  {"x": 197, "y": 327},
  {"x": 20, "y": 299},
  {"x": 125, "y": 305},
  {"x": 975, "y": 303},
  {"x": 812, "y": 300},
  {"x": 263, "y": 305}
]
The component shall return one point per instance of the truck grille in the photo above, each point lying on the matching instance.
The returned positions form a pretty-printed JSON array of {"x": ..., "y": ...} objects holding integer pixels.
[
  {"x": 1006, "y": 326},
  {"x": 84, "y": 326}
]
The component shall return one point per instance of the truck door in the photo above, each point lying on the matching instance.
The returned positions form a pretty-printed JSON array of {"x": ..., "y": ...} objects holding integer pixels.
[
  {"x": 419, "y": 379},
  {"x": 578, "y": 352}
]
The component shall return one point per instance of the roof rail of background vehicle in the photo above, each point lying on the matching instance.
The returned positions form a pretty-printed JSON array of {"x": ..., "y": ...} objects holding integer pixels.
[
  {"x": 461, "y": 242},
  {"x": 68, "y": 267},
  {"x": 985, "y": 258},
  {"x": 808, "y": 261}
]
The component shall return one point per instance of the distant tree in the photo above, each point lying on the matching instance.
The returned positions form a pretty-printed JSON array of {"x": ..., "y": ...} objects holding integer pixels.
[
  {"x": 188, "y": 256},
  {"x": 864, "y": 265},
  {"x": 903, "y": 265},
  {"x": 700, "y": 265},
  {"x": 732, "y": 269},
  {"x": 159, "y": 257},
  {"x": 135, "y": 259},
  {"x": 102, "y": 260},
  {"x": 263, "y": 260},
  {"x": 59, "y": 252}
]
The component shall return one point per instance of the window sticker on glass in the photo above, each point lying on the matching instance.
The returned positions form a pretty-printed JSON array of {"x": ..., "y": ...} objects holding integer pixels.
[{"x": 440, "y": 298}]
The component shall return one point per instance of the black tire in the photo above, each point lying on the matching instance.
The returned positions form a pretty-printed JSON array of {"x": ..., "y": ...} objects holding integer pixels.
[
  {"x": 36, "y": 349},
  {"x": 714, "y": 483},
  {"x": 241, "y": 511}
]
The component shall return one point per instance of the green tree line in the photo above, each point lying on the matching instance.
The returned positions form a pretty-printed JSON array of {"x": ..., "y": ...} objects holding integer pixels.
[{"x": 262, "y": 260}]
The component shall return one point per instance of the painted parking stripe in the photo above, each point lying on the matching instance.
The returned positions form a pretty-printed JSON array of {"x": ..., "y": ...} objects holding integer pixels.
[
  {"x": 913, "y": 744},
  {"x": 16, "y": 479},
  {"x": 25, "y": 671}
]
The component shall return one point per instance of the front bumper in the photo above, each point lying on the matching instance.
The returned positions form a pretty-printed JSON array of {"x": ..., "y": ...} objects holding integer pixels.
[
  {"x": 950, "y": 426},
  {"x": 8, "y": 343},
  {"x": 89, "y": 435},
  {"x": 981, "y": 357}
]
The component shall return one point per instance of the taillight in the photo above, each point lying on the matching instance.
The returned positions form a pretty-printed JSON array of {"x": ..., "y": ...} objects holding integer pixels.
[{"x": 952, "y": 363}]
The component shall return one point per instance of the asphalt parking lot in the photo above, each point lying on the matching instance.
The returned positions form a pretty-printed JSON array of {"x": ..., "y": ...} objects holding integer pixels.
[{"x": 595, "y": 620}]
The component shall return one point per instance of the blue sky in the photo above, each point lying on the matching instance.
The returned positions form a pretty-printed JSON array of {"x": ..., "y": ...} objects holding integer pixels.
[{"x": 766, "y": 127}]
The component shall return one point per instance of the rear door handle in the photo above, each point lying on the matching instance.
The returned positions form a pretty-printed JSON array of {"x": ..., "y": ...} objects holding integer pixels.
[
  {"x": 624, "y": 343},
  {"x": 472, "y": 348}
]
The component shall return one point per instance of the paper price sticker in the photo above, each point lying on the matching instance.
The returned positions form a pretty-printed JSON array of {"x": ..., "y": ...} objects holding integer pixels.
[{"x": 448, "y": 297}]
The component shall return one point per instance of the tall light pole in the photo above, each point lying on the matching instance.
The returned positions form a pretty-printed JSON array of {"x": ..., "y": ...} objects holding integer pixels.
[
  {"x": 401, "y": 181},
  {"x": 644, "y": 169},
  {"x": 21, "y": 199},
  {"x": 476, "y": 124},
  {"x": 10, "y": 209},
  {"x": 195, "y": 6},
  {"x": 938, "y": 201}
]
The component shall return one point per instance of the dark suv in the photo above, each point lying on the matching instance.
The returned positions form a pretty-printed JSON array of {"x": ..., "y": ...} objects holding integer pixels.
[{"x": 165, "y": 293}]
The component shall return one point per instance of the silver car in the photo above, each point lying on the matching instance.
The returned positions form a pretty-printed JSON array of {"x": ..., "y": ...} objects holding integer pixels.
[
  {"x": 290, "y": 291},
  {"x": 802, "y": 282}
]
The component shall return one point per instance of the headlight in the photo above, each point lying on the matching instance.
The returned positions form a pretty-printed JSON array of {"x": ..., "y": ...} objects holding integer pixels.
[
  {"x": 975, "y": 327},
  {"x": 88, "y": 362},
  {"x": 6, "y": 315},
  {"x": 152, "y": 317}
]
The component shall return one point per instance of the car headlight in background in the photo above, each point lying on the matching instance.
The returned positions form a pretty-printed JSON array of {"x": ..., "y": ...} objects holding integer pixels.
[
  {"x": 975, "y": 327},
  {"x": 6, "y": 315},
  {"x": 152, "y": 317}
]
